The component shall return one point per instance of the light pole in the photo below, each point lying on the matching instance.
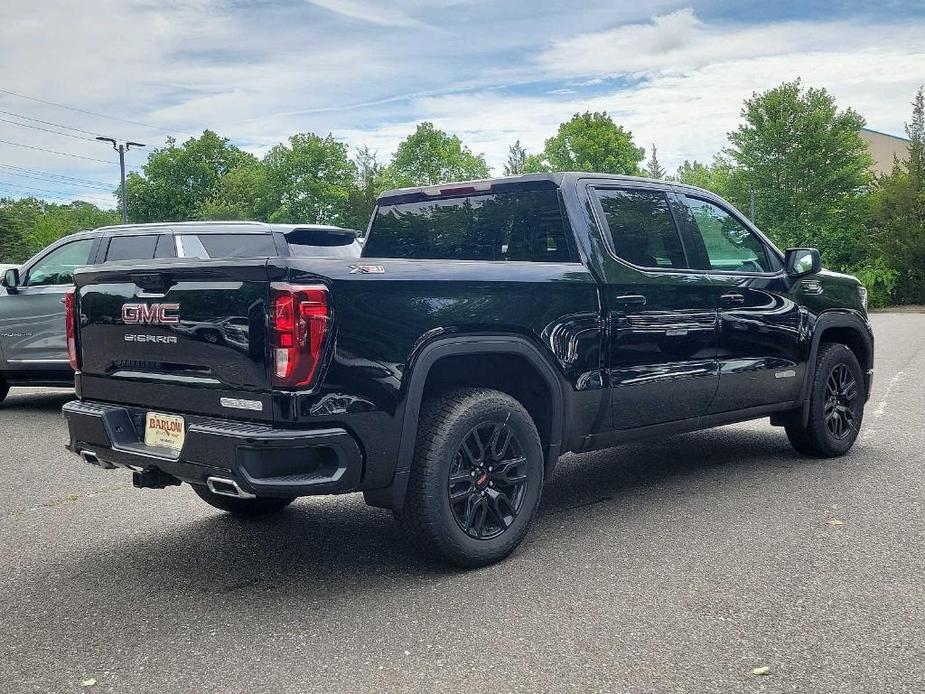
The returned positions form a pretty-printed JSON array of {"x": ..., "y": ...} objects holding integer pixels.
[{"x": 121, "y": 149}]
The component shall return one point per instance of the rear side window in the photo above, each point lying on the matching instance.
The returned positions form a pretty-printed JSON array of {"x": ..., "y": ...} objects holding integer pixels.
[
  {"x": 226, "y": 245},
  {"x": 134, "y": 247},
  {"x": 522, "y": 225},
  {"x": 165, "y": 247},
  {"x": 642, "y": 228}
]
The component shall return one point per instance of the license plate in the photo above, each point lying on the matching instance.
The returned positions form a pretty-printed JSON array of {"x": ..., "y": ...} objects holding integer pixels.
[{"x": 164, "y": 430}]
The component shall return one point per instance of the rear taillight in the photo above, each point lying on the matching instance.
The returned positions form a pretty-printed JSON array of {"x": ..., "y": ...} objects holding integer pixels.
[
  {"x": 70, "y": 325},
  {"x": 299, "y": 319}
]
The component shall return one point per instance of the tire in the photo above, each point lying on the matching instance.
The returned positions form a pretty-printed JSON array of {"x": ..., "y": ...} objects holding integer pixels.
[
  {"x": 482, "y": 448},
  {"x": 260, "y": 506},
  {"x": 836, "y": 405},
  {"x": 4, "y": 389}
]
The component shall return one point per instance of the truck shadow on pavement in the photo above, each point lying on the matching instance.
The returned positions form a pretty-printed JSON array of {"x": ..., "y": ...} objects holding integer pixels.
[
  {"x": 337, "y": 546},
  {"x": 49, "y": 401}
]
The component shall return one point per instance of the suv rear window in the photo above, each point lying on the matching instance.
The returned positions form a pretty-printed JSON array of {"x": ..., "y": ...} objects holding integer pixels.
[
  {"x": 522, "y": 225},
  {"x": 320, "y": 243},
  {"x": 226, "y": 245}
]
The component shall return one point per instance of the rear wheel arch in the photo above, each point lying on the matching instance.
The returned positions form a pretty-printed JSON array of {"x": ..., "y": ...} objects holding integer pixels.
[{"x": 427, "y": 375}]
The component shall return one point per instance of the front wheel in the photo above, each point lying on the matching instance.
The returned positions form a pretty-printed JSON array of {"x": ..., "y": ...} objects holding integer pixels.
[
  {"x": 836, "y": 405},
  {"x": 260, "y": 506},
  {"x": 476, "y": 477}
]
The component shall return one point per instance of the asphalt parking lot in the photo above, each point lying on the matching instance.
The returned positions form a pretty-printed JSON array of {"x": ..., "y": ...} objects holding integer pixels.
[{"x": 677, "y": 565}]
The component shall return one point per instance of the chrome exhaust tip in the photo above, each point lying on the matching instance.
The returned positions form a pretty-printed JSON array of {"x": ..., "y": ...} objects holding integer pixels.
[
  {"x": 227, "y": 487},
  {"x": 91, "y": 458}
]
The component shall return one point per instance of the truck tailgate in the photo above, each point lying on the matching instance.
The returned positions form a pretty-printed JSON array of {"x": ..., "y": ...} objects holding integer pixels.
[{"x": 177, "y": 337}]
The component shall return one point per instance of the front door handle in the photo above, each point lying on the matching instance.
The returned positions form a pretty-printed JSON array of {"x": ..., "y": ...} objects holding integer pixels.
[
  {"x": 631, "y": 299},
  {"x": 732, "y": 299}
]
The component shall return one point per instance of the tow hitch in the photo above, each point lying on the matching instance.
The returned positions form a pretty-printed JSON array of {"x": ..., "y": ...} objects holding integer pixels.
[{"x": 153, "y": 478}]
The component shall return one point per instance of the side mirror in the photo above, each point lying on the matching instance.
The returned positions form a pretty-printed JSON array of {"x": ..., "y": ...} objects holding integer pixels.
[
  {"x": 10, "y": 280},
  {"x": 802, "y": 261}
]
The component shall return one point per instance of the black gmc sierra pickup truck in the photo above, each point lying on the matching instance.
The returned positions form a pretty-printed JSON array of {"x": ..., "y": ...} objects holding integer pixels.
[{"x": 488, "y": 327}]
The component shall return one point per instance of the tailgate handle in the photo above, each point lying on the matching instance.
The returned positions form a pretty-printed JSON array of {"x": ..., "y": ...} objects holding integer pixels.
[{"x": 151, "y": 281}]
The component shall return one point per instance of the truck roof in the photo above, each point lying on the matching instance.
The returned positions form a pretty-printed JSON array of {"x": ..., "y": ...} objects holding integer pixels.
[{"x": 538, "y": 180}]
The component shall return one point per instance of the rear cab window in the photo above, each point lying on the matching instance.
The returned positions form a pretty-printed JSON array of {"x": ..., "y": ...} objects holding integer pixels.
[{"x": 517, "y": 225}]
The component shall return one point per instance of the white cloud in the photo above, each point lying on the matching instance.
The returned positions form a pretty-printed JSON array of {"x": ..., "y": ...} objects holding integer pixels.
[
  {"x": 489, "y": 71},
  {"x": 375, "y": 13},
  {"x": 688, "y": 79}
]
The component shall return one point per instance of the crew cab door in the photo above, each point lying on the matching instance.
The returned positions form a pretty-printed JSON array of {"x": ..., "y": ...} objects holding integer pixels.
[
  {"x": 762, "y": 333},
  {"x": 32, "y": 316},
  {"x": 661, "y": 319}
]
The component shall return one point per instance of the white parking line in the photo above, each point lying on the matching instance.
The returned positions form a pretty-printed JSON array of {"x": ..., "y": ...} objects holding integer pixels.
[{"x": 881, "y": 406}]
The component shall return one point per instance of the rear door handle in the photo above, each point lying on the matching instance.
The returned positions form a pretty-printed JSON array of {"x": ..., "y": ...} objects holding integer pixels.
[
  {"x": 732, "y": 299},
  {"x": 631, "y": 299}
]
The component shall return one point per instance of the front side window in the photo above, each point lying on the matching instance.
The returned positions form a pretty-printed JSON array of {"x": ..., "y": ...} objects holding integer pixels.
[
  {"x": 58, "y": 266},
  {"x": 642, "y": 228},
  {"x": 728, "y": 243},
  {"x": 520, "y": 225}
]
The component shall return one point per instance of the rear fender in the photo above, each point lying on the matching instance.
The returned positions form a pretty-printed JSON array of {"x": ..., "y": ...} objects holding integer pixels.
[{"x": 393, "y": 496}]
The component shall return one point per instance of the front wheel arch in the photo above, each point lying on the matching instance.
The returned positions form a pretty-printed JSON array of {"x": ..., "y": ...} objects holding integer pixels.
[{"x": 843, "y": 327}]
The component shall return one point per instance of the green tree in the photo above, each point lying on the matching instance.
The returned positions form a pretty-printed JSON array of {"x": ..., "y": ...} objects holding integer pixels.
[
  {"x": 177, "y": 181},
  {"x": 516, "y": 160},
  {"x": 244, "y": 192},
  {"x": 654, "y": 168},
  {"x": 591, "y": 142},
  {"x": 368, "y": 184},
  {"x": 28, "y": 224},
  {"x": 311, "y": 178},
  {"x": 429, "y": 156},
  {"x": 809, "y": 169},
  {"x": 720, "y": 177},
  {"x": 896, "y": 263}
]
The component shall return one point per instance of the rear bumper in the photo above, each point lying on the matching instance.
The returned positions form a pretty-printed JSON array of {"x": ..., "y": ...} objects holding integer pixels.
[{"x": 262, "y": 460}]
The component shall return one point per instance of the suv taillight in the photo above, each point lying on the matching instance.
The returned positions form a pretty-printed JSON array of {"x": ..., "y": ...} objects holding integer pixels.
[
  {"x": 70, "y": 325},
  {"x": 298, "y": 329}
]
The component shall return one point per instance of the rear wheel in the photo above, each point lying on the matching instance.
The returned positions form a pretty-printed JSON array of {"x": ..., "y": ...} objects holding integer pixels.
[
  {"x": 476, "y": 477},
  {"x": 242, "y": 507},
  {"x": 836, "y": 405}
]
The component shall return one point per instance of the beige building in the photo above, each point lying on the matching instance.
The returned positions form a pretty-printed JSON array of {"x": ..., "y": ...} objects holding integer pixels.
[{"x": 884, "y": 148}]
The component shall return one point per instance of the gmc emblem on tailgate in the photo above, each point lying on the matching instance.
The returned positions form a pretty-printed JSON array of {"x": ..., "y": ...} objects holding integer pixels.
[{"x": 150, "y": 314}]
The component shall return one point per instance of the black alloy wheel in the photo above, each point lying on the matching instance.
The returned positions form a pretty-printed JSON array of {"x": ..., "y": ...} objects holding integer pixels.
[
  {"x": 487, "y": 481},
  {"x": 834, "y": 409},
  {"x": 841, "y": 392},
  {"x": 476, "y": 478}
]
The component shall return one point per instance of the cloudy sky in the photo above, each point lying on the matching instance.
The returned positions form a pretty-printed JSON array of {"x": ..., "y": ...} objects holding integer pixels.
[{"x": 490, "y": 71}]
